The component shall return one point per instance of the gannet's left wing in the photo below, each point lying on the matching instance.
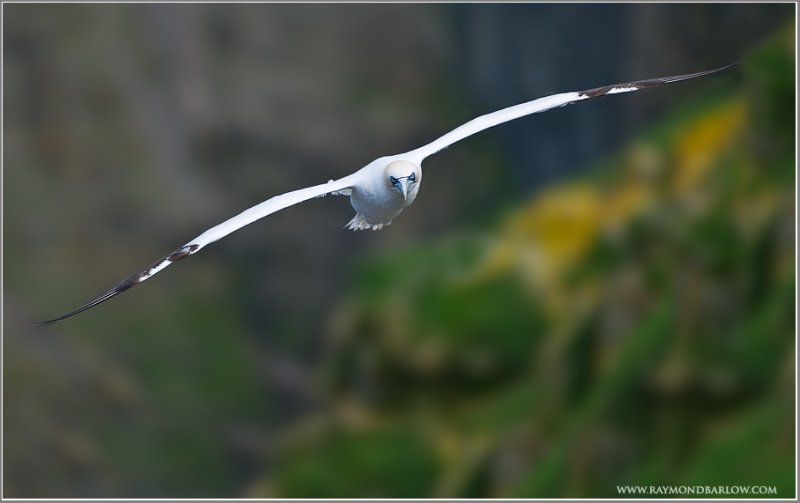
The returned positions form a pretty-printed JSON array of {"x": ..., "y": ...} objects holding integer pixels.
[
  {"x": 541, "y": 105},
  {"x": 246, "y": 217}
]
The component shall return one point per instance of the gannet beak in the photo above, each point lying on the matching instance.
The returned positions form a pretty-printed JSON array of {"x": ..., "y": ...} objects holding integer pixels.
[{"x": 404, "y": 188}]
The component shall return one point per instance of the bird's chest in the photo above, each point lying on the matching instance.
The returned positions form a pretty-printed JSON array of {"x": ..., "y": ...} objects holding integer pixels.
[{"x": 380, "y": 204}]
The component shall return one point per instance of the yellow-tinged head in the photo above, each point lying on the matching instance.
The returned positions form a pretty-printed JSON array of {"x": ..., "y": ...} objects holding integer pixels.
[{"x": 403, "y": 176}]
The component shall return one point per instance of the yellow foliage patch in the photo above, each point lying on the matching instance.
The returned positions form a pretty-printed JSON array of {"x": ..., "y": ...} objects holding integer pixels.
[{"x": 700, "y": 144}]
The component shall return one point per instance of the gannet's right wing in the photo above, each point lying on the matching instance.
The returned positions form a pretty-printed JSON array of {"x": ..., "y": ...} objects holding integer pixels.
[
  {"x": 542, "y": 105},
  {"x": 246, "y": 217}
]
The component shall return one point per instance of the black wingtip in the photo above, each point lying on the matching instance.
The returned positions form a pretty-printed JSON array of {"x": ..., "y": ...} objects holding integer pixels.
[
  {"x": 97, "y": 300},
  {"x": 707, "y": 72},
  {"x": 125, "y": 284},
  {"x": 679, "y": 78},
  {"x": 129, "y": 282},
  {"x": 47, "y": 323},
  {"x": 726, "y": 67},
  {"x": 643, "y": 84}
]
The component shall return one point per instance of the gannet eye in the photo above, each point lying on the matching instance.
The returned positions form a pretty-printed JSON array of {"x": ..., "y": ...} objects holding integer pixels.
[
  {"x": 412, "y": 177},
  {"x": 393, "y": 180}
]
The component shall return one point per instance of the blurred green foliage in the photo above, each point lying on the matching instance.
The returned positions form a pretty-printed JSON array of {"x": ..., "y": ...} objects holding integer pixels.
[
  {"x": 634, "y": 326},
  {"x": 378, "y": 463}
]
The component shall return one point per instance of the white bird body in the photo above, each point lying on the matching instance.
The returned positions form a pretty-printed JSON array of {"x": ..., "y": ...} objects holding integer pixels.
[
  {"x": 379, "y": 191},
  {"x": 376, "y": 201}
]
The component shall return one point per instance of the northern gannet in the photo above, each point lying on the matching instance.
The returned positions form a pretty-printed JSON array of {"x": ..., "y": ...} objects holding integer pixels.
[{"x": 382, "y": 189}]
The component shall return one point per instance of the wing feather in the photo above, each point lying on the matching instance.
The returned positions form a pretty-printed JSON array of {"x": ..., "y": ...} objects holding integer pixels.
[
  {"x": 215, "y": 233},
  {"x": 541, "y": 105}
]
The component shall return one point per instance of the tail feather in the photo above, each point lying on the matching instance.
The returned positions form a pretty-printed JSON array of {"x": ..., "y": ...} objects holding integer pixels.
[{"x": 359, "y": 223}]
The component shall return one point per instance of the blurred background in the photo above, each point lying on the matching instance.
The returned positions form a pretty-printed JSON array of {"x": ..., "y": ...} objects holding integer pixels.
[{"x": 603, "y": 294}]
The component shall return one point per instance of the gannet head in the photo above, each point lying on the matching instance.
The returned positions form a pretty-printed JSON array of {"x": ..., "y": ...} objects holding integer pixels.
[{"x": 403, "y": 176}]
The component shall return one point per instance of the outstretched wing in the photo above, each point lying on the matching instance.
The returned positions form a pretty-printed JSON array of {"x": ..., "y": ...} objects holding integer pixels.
[
  {"x": 541, "y": 105},
  {"x": 246, "y": 217}
]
